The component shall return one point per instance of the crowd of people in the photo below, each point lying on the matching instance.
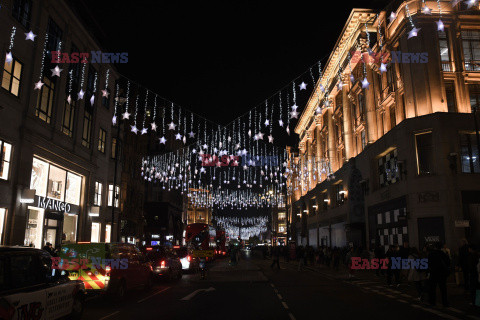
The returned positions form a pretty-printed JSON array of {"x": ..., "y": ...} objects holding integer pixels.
[{"x": 462, "y": 267}]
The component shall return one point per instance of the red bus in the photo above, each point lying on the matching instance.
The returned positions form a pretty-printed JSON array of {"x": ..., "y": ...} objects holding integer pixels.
[
  {"x": 200, "y": 236},
  {"x": 220, "y": 242}
]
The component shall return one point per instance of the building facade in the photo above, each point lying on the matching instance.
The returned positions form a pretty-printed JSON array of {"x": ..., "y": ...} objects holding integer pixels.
[
  {"x": 388, "y": 151},
  {"x": 57, "y": 149}
]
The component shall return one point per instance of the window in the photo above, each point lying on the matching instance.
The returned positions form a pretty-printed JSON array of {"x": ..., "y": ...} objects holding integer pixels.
[
  {"x": 68, "y": 118},
  {"x": 450, "y": 95},
  {"x": 22, "y": 11},
  {"x": 388, "y": 170},
  {"x": 5, "y": 158},
  {"x": 56, "y": 183},
  {"x": 44, "y": 105},
  {"x": 364, "y": 139},
  {"x": 25, "y": 271},
  {"x": 282, "y": 215},
  {"x": 424, "y": 146},
  {"x": 12, "y": 74},
  {"x": 111, "y": 196},
  {"x": 361, "y": 106},
  {"x": 87, "y": 128},
  {"x": 114, "y": 147},
  {"x": 390, "y": 77},
  {"x": 102, "y": 137},
  {"x": 108, "y": 233},
  {"x": 474, "y": 91},
  {"x": 3, "y": 214},
  {"x": 339, "y": 194},
  {"x": 444, "y": 52},
  {"x": 393, "y": 118},
  {"x": 53, "y": 44},
  {"x": 74, "y": 188},
  {"x": 98, "y": 194},
  {"x": 471, "y": 49},
  {"x": 95, "y": 236},
  {"x": 470, "y": 157}
]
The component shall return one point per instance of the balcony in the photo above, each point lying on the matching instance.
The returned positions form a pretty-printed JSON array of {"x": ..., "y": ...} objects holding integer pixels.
[
  {"x": 472, "y": 65},
  {"x": 446, "y": 66}
]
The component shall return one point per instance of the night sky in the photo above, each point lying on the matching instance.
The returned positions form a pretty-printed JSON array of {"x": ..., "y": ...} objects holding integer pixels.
[{"x": 219, "y": 58}]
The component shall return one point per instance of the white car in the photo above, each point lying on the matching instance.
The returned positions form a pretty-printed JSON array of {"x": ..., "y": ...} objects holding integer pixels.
[{"x": 30, "y": 289}]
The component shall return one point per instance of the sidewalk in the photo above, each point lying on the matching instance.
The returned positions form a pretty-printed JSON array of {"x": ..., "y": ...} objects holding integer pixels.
[{"x": 367, "y": 279}]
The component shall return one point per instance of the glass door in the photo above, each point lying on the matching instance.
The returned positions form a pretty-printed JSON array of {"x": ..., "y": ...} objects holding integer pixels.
[{"x": 34, "y": 231}]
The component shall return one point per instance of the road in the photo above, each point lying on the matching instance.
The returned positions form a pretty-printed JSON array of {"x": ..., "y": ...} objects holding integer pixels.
[{"x": 251, "y": 290}]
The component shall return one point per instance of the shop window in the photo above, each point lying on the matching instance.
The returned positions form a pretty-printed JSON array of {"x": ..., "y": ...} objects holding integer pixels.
[
  {"x": 56, "y": 183},
  {"x": 444, "y": 51},
  {"x": 102, "y": 137},
  {"x": 87, "y": 128},
  {"x": 3, "y": 216},
  {"x": 74, "y": 188},
  {"x": 43, "y": 109},
  {"x": 471, "y": 49},
  {"x": 34, "y": 230},
  {"x": 5, "y": 158},
  {"x": 70, "y": 228},
  {"x": 68, "y": 118},
  {"x": 108, "y": 233},
  {"x": 111, "y": 196},
  {"x": 388, "y": 170},
  {"x": 96, "y": 227},
  {"x": 424, "y": 146},
  {"x": 97, "y": 200},
  {"x": 39, "y": 178},
  {"x": 12, "y": 75},
  {"x": 470, "y": 157},
  {"x": 22, "y": 11}
]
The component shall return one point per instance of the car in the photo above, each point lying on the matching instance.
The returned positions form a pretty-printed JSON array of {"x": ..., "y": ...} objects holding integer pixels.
[
  {"x": 107, "y": 268},
  {"x": 189, "y": 262},
  {"x": 31, "y": 289},
  {"x": 166, "y": 263}
]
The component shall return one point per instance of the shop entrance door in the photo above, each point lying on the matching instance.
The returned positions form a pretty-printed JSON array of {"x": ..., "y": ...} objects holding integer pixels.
[{"x": 52, "y": 229}]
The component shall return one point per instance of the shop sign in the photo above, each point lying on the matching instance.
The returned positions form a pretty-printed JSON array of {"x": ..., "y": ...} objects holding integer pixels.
[
  {"x": 462, "y": 223},
  {"x": 54, "y": 205}
]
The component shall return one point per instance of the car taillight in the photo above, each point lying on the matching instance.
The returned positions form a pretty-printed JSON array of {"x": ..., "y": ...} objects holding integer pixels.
[
  {"x": 107, "y": 271},
  {"x": 162, "y": 264},
  {"x": 189, "y": 258}
]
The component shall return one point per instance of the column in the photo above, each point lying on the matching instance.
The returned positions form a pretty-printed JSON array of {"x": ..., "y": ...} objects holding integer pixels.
[
  {"x": 318, "y": 138},
  {"x": 310, "y": 183},
  {"x": 347, "y": 119},
  {"x": 331, "y": 141},
  {"x": 371, "y": 121},
  {"x": 302, "y": 165}
]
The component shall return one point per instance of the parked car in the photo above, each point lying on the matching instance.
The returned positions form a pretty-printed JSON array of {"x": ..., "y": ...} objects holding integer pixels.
[
  {"x": 30, "y": 287},
  {"x": 189, "y": 262},
  {"x": 166, "y": 263},
  {"x": 112, "y": 268}
]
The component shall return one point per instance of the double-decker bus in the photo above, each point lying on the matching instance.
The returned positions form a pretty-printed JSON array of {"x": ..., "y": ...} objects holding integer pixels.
[
  {"x": 200, "y": 236},
  {"x": 220, "y": 242}
]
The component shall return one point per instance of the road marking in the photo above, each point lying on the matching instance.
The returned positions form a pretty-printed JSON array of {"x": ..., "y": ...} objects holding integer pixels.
[
  {"x": 284, "y": 305},
  {"x": 400, "y": 300},
  {"x": 194, "y": 293},
  {"x": 110, "y": 315},
  {"x": 140, "y": 301},
  {"x": 291, "y": 316}
]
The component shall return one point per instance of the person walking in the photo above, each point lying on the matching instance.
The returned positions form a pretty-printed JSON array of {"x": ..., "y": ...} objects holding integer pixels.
[
  {"x": 439, "y": 269},
  {"x": 275, "y": 257},
  {"x": 417, "y": 276}
]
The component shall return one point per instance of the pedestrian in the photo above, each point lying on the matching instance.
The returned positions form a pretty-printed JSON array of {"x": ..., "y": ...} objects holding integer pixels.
[
  {"x": 49, "y": 248},
  {"x": 275, "y": 257},
  {"x": 439, "y": 269},
  {"x": 463, "y": 262},
  {"x": 417, "y": 276}
]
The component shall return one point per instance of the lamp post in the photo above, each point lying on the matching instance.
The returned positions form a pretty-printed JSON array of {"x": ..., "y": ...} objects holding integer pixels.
[{"x": 121, "y": 101}]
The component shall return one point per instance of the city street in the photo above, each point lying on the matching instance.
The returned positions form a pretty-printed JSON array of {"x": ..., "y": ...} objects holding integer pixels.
[{"x": 251, "y": 290}]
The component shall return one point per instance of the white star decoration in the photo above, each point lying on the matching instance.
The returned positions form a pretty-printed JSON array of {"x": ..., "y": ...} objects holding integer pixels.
[
  {"x": 340, "y": 85},
  {"x": 56, "y": 71},
  {"x": 471, "y": 3},
  {"x": 154, "y": 126},
  {"x": 280, "y": 123},
  {"x": 205, "y": 146},
  {"x": 126, "y": 115},
  {"x": 162, "y": 140},
  {"x": 352, "y": 78},
  {"x": 114, "y": 120},
  {"x": 178, "y": 136},
  {"x": 322, "y": 88},
  {"x": 413, "y": 33},
  {"x": 440, "y": 25},
  {"x": 92, "y": 99},
  {"x": 383, "y": 67},
  {"x": 237, "y": 146},
  {"x": 105, "y": 93},
  {"x": 318, "y": 110},
  {"x": 30, "y": 36},
  {"x": 172, "y": 126},
  {"x": 9, "y": 57},
  {"x": 144, "y": 131},
  {"x": 69, "y": 99},
  {"x": 365, "y": 83},
  {"x": 294, "y": 107},
  {"x": 81, "y": 94},
  {"x": 270, "y": 138},
  {"x": 260, "y": 135},
  {"x": 249, "y": 133},
  {"x": 294, "y": 114},
  {"x": 191, "y": 134},
  {"x": 303, "y": 86},
  {"x": 288, "y": 130},
  {"x": 393, "y": 16},
  {"x": 267, "y": 123},
  {"x": 134, "y": 129},
  {"x": 426, "y": 10},
  {"x": 38, "y": 85}
]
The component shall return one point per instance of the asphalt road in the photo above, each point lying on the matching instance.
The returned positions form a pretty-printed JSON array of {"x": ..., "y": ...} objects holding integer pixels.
[{"x": 252, "y": 290}]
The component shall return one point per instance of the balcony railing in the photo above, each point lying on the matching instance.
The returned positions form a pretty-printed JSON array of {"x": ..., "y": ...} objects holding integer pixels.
[
  {"x": 472, "y": 65},
  {"x": 446, "y": 66}
]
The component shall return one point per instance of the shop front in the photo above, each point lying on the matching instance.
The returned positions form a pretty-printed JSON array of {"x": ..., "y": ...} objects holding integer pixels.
[{"x": 53, "y": 216}]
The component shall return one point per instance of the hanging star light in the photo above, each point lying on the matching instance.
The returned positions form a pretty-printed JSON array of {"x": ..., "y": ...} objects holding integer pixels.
[
  {"x": 365, "y": 83},
  {"x": 38, "y": 85},
  {"x": 294, "y": 114},
  {"x": 267, "y": 123},
  {"x": 340, "y": 85},
  {"x": 9, "y": 57},
  {"x": 105, "y": 93},
  {"x": 114, "y": 120},
  {"x": 144, "y": 131},
  {"x": 352, "y": 78},
  {"x": 288, "y": 130},
  {"x": 322, "y": 88},
  {"x": 426, "y": 10},
  {"x": 81, "y": 94},
  {"x": 440, "y": 25},
  {"x": 56, "y": 71},
  {"x": 270, "y": 138},
  {"x": 178, "y": 136},
  {"x": 92, "y": 99},
  {"x": 471, "y": 3},
  {"x": 191, "y": 134},
  {"x": 383, "y": 67},
  {"x": 318, "y": 110},
  {"x": 154, "y": 126},
  {"x": 126, "y": 115},
  {"x": 30, "y": 36},
  {"x": 69, "y": 99},
  {"x": 134, "y": 129},
  {"x": 280, "y": 123},
  {"x": 249, "y": 133},
  {"x": 255, "y": 137},
  {"x": 303, "y": 86},
  {"x": 392, "y": 16},
  {"x": 171, "y": 126},
  {"x": 184, "y": 139},
  {"x": 294, "y": 107},
  {"x": 205, "y": 146},
  {"x": 260, "y": 135}
]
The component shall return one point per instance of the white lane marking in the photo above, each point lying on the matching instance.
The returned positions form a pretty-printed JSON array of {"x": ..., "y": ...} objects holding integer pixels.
[
  {"x": 140, "y": 301},
  {"x": 291, "y": 316},
  {"x": 284, "y": 305},
  {"x": 112, "y": 314},
  {"x": 194, "y": 293}
]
